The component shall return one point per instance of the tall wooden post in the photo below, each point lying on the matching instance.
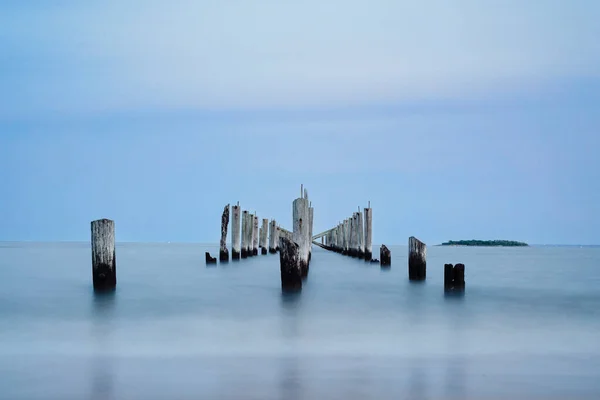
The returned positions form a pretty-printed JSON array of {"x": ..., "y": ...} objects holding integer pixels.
[
  {"x": 104, "y": 259},
  {"x": 300, "y": 231},
  {"x": 235, "y": 232},
  {"x": 368, "y": 233},
  {"x": 361, "y": 235},
  {"x": 273, "y": 237},
  {"x": 263, "y": 236},
  {"x": 417, "y": 263},
  {"x": 255, "y": 236},
  {"x": 223, "y": 252},
  {"x": 245, "y": 230}
]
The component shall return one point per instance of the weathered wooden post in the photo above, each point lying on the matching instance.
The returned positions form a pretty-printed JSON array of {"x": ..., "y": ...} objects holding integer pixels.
[
  {"x": 235, "y": 232},
  {"x": 104, "y": 259},
  {"x": 263, "y": 236},
  {"x": 210, "y": 259},
  {"x": 361, "y": 235},
  {"x": 289, "y": 261},
  {"x": 417, "y": 263},
  {"x": 454, "y": 277},
  {"x": 354, "y": 236},
  {"x": 346, "y": 250},
  {"x": 459, "y": 277},
  {"x": 223, "y": 252},
  {"x": 385, "y": 256},
  {"x": 368, "y": 233},
  {"x": 448, "y": 276},
  {"x": 272, "y": 236},
  {"x": 250, "y": 235},
  {"x": 300, "y": 231},
  {"x": 245, "y": 244},
  {"x": 255, "y": 236}
]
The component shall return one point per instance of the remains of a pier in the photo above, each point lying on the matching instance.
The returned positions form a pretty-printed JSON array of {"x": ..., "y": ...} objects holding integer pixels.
[
  {"x": 385, "y": 256},
  {"x": 454, "y": 277},
  {"x": 223, "y": 252},
  {"x": 417, "y": 254},
  {"x": 104, "y": 259},
  {"x": 353, "y": 236},
  {"x": 264, "y": 232},
  {"x": 235, "y": 232},
  {"x": 301, "y": 229},
  {"x": 289, "y": 260}
]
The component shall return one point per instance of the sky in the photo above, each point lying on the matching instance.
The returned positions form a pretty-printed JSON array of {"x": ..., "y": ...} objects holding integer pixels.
[{"x": 471, "y": 119}]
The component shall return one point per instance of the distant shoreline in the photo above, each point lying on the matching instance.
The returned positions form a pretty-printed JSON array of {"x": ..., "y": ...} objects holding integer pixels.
[{"x": 485, "y": 243}]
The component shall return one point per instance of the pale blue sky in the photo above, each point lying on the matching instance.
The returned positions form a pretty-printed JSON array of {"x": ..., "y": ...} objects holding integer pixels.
[{"x": 465, "y": 119}]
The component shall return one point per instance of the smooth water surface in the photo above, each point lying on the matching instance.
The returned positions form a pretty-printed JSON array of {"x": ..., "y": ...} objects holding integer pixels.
[{"x": 527, "y": 327}]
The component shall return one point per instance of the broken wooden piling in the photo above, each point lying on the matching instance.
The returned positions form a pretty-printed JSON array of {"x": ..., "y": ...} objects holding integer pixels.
[
  {"x": 385, "y": 256},
  {"x": 417, "y": 263},
  {"x": 289, "y": 260},
  {"x": 368, "y": 233},
  {"x": 264, "y": 232},
  {"x": 209, "y": 258},
  {"x": 454, "y": 277},
  {"x": 235, "y": 232},
  {"x": 223, "y": 252},
  {"x": 104, "y": 259}
]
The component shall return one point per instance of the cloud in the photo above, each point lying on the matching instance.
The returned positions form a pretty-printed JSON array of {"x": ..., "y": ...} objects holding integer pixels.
[{"x": 255, "y": 54}]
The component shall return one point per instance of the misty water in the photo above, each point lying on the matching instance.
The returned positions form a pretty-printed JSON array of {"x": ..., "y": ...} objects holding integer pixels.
[{"x": 527, "y": 327}]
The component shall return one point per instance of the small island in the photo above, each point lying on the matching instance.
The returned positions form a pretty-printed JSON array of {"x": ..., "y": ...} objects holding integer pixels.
[{"x": 503, "y": 243}]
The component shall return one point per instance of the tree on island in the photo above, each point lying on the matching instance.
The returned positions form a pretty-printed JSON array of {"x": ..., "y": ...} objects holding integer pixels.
[{"x": 504, "y": 243}]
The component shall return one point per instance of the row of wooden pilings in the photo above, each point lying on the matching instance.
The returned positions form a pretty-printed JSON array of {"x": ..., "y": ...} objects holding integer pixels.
[
  {"x": 352, "y": 237},
  {"x": 247, "y": 238}
]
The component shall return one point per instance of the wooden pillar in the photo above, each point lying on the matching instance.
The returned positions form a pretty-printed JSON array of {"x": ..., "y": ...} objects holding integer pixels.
[
  {"x": 210, "y": 259},
  {"x": 368, "y": 233},
  {"x": 289, "y": 261},
  {"x": 385, "y": 256},
  {"x": 417, "y": 263},
  {"x": 300, "y": 231},
  {"x": 459, "y": 277},
  {"x": 245, "y": 244},
  {"x": 454, "y": 277},
  {"x": 448, "y": 276},
  {"x": 361, "y": 235},
  {"x": 235, "y": 232},
  {"x": 263, "y": 236},
  {"x": 223, "y": 252},
  {"x": 104, "y": 259},
  {"x": 354, "y": 236},
  {"x": 273, "y": 237},
  {"x": 255, "y": 236},
  {"x": 346, "y": 249}
]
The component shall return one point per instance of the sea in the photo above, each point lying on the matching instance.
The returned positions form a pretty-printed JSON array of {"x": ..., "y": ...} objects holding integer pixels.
[{"x": 526, "y": 327}]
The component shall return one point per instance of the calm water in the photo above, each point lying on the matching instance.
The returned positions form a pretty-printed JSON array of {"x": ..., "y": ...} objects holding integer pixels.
[{"x": 528, "y": 326}]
